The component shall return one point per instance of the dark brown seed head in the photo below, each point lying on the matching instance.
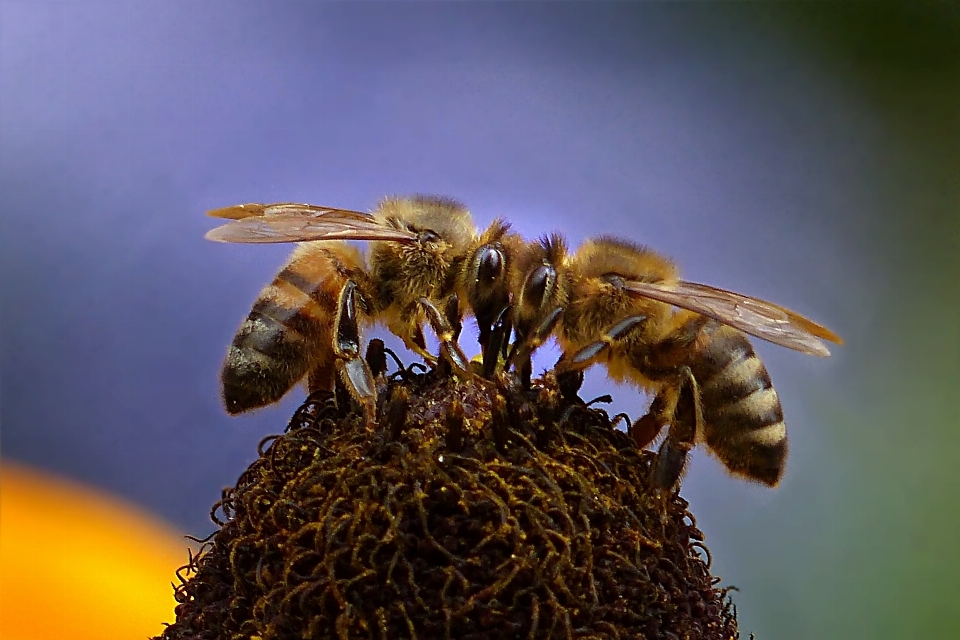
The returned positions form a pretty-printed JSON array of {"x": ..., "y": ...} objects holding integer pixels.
[{"x": 340, "y": 531}]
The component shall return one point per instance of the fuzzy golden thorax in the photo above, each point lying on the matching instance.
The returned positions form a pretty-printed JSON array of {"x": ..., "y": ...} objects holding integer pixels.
[
  {"x": 608, "y": 255},
  {"x": 403, "y": 273},
  {"x": 597, "y": 299}
]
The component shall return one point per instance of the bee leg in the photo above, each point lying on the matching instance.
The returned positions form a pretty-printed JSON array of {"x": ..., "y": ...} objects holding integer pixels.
[
  {"x": 687, "y": 420},
  {"x": 484, "y": 334},
  {"x": 486, "y": 316},
  {"x": 527, "y": 343},
  {"x": 496, "y": 342},
  {"x": 342, "y": 397},
  {"x": 673, "y": 352},
  {"x": 452, "y": 313},
  {"x": 507, "y": 328},
  {"x": 523, "y": 365},
  {"x": 590, "y": 353},
  {"x": 646, "y": 429},
  {"x": 354, "y": 372},
  {"x": 449, "y": 349},
  {"x": 418, "y": 344}
]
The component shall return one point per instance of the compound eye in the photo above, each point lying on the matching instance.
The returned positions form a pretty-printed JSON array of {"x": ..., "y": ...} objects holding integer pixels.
[
  {"x": 539, "y": 280},
  {"x": 490, "y": 264}
]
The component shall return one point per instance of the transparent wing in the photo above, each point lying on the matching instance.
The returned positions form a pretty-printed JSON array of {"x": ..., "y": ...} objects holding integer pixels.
[
  {"x": 254, "y": 209},
  {"x": 751, "y": 315},
  {"x": 291, "y": 222}
]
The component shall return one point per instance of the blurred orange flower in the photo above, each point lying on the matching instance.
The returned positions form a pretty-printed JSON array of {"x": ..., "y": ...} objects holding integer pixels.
[{"x": 77, "y": 564}]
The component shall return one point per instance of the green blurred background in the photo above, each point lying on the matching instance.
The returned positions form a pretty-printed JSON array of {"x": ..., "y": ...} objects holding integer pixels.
[
  {"x": 804, "y": 152},
  {"x": 873, "y": 553}
]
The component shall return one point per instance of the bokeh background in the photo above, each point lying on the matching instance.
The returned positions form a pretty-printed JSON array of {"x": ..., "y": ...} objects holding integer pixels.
[{"x": 807, "y": 153}]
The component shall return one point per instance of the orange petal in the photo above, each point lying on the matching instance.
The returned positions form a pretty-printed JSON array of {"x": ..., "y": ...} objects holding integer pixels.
[{"x": 75, "y": 563}]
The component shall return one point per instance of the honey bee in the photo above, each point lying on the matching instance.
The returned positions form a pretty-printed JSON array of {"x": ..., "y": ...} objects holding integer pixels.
[
  {"x": 426, "y": 262},
  {"x": 622, "y": 304}
]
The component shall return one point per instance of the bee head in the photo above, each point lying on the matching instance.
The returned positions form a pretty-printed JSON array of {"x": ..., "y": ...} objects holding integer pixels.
[
  {"x": 485, "y": 278},
  {"x": 540, "y": 285},
  {"x": 543, "y": 281}
]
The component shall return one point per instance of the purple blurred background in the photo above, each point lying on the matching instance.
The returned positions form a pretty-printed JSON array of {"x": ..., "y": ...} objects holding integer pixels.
[{"x": 783, "y": 152}]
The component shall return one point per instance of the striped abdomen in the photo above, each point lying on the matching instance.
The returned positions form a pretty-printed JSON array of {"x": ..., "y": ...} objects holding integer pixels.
[
  {"x": 288, "y": 332},
  {"x": 743, "y": 419}
]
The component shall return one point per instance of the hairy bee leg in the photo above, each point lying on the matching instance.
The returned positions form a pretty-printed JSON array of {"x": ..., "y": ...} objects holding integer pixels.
[
  {"x": 507, "y": 328},
  {"x": 450, "y": 351},
  {"x": 589, "y": 354},
  {"x": 667, "y": 356},
  {"x": 686, "y": 422},
  {"x": 451, "y": 312},
  {"x": 497, "y": 340},
  {"x": 453, "y": 317},
  {"x": 646, "y": 429},
  {"x": 522, "y": 365},
  {"x": 418, "y": 344},
  {"x": 526, "y": 343},
  {"x": 354, "y": 372},
  {"x": 524, "y": 347},
  {"x": 484, "y": 333}
]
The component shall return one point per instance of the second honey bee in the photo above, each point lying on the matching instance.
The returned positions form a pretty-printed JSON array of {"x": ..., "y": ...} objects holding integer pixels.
[
  {"x": 427, "y": 262},
  {"x": 622, "y": 304}
]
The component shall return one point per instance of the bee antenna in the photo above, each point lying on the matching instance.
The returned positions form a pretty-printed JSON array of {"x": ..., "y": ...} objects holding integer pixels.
[
  {"x": 499, "y": 227},
  {"x": 555, "y": 247}
]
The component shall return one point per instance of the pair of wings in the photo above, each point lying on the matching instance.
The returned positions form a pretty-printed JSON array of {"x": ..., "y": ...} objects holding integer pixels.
[{"x": 292, "y": 222}]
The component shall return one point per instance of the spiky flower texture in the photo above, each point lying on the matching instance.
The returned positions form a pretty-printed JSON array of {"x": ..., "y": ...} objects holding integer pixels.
[{"x": 472, "y": 509}]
